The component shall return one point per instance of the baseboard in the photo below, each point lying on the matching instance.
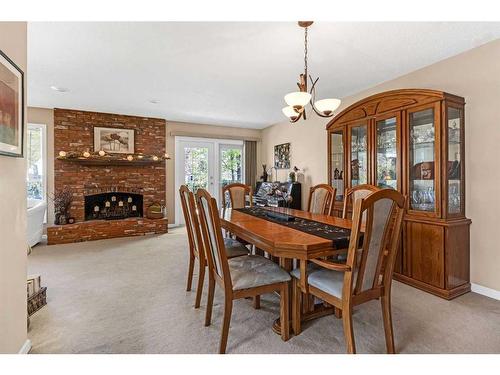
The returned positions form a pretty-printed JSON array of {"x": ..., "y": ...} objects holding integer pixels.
[
  {"x": 25, "y": 349},
  {"x": 488, "y": 292},
  {"x": 173, "y": 225}
]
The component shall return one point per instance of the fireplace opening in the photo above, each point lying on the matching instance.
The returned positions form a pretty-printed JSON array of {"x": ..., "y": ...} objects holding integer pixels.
[{"x": 113, "y": 206}]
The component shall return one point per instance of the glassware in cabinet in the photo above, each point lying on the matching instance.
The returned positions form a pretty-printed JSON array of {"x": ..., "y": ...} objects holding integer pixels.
[
  {"x": 337, "y": 162},
  {"x": 454, "y": 168},
  {"x": 386, "y": 153},
  {"x": 422, "y": 148},
  {"x": 359, "y": 154}
]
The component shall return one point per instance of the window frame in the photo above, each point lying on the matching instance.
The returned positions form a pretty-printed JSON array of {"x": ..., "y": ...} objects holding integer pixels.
[{"x": 43, "y": 128}]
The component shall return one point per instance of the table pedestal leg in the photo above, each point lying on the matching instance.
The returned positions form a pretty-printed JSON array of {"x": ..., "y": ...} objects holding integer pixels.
[{"x": 314, "y": 311}]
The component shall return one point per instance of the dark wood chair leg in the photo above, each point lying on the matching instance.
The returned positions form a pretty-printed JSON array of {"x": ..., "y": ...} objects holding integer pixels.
[
  {"x": 348, "y": 331},
  {"x": 311, "y": 303},
  {"x": 199, "y": 288},
  {"x": 386, "y": 313},
  {"x": 210, "y": 300},
  {"x": 296, "y": 307},
  {"x": 228, "y": 309},
  {"x": 190, "y": 274},
  {"x": 256, "y": 302},
  {"x": 284, "y": 312},
  {"x": 337, "y": 312}
]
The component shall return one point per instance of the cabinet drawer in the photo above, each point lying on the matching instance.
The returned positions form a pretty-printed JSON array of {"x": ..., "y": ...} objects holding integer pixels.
[{"x": 424, "y": 253}]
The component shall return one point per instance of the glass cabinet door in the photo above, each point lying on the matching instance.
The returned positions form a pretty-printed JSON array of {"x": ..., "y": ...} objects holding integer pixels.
[
  {"x": 454, "y": 167},
  {"x": 386, "y": 154},
  {"x": 337, "y": 162},
  {"x": 359, "y": 154},
  {"x": 422, "y": 148}
]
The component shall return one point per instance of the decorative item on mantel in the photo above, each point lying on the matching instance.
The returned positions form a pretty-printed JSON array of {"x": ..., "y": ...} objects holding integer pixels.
[
  {"x": 103, "y": 158},
  {"x": 114, "y": 140}
]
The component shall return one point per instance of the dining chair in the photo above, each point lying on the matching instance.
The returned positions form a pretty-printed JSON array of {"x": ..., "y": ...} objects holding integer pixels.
[
  {"x": 354, "y": 193},
  {"x": 196, "y": 249},
  {"x": 367, "y": 273},
  {"x": 240, "y": 277},
  {"x": 234, "y": 196},
  {"x": 236, "y": 192},
  {"x": 321, "y": 199}
]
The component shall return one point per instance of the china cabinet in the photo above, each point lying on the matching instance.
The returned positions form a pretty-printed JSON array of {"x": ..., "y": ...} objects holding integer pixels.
[{"x": 412, "y": 140}]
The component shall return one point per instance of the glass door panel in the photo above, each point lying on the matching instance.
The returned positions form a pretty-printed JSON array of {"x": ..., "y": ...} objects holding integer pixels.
[
  {"x": 337, "y": 162},
  {"x": 421, "y": 158},
  {"x": 194, "y": 168},
  {"x": 359, "y": 155},
  {"x": 230, "y": 165},
  {"x": 196, "y": 175},
  {"x": 386, "y": 154},
  {"x": 454, "y": 169}
]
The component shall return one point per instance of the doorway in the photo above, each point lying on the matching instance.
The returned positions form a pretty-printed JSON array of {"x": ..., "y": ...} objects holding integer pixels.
[{"x": 204, "y": 163}]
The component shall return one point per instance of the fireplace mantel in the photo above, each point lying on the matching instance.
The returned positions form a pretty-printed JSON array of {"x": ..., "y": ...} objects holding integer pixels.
[{"x": 111, "y": 162}]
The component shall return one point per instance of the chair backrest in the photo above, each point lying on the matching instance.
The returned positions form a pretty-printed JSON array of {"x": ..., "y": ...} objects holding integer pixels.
[
  {"x": 237, "y": 195},
  {"x": 384, "y": 211},
  {"x": 321, "y": 199},
  {"x": 212, "y": 238},
  {"x": 192, "y": 223},
  {"x": 356, "y": 192}
]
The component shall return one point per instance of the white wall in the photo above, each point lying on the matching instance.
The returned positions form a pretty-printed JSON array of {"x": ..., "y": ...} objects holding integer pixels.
[
  {"x": 13, "y": 217},
  {"x": 474, "y": 75}
]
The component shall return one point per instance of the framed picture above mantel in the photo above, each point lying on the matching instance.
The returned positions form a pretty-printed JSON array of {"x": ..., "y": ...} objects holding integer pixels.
[
  {"x": 11, "y": 108},
  {"x": 114, "y": 140}
]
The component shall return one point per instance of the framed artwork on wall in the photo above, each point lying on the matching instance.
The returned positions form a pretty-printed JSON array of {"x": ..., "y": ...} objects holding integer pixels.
[
  {"x": 282, "y": 156},
  {"x": 114, "y": 140},
  {"x": 11, "y": 108}
]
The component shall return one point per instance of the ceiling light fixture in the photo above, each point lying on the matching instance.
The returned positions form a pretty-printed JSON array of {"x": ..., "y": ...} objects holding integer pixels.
[
  {"x": 154, "y": 101},
  {"x": 59, "y": 89},
  {"x": 297, "y": 101}
]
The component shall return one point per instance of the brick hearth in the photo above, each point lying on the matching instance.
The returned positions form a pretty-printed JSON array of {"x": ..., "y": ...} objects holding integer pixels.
[
  {"x": 102, "y": 229},
  {"x": 74, "y": 131}
]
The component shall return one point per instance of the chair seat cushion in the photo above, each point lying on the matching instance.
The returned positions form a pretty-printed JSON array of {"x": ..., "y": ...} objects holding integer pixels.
[
  {"x": 234, "y": 248},
  {"x": 328, "y": 281},
  {"x": 252, "y": 271}
]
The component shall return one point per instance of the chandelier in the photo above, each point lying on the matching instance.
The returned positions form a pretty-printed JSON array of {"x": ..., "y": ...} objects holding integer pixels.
[{"x": 297, "y": 101}]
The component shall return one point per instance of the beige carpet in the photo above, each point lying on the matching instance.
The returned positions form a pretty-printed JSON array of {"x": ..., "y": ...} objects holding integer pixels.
[{"x": 128, "y": 296}]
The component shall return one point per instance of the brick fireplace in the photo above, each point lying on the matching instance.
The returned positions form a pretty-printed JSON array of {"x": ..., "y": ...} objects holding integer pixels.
[{"x": 108, "y": 200}]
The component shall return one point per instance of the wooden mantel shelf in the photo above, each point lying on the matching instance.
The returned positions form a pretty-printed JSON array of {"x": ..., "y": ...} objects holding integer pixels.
[{"x": 104, "y": 161}]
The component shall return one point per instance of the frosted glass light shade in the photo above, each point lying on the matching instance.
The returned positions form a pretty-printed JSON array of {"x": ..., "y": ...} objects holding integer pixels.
[
  {"x": 297, "y": 99},
  {"x": 327, "y": 106},
  {"x": 290, "y": 112}
]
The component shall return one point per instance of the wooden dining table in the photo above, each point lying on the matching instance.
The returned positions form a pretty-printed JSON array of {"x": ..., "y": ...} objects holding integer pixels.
[{"x": 287, "y": 243}]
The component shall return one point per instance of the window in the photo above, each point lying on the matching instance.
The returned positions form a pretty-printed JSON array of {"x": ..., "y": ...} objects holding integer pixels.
[{"x": 37, "y": 162}]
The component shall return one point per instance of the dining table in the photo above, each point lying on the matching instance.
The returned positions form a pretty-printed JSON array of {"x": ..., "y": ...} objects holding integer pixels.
[{"x": 293, "y": 237}]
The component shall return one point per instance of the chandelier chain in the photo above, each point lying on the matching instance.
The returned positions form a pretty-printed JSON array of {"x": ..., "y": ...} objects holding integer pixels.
[{"x": 305, "y": 51}]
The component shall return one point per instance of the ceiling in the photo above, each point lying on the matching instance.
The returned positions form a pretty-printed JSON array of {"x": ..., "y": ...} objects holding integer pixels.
[{"x": 231, "y": 74}]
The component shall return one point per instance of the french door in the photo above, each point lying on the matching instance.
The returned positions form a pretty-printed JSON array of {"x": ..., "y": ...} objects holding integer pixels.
[{"x": 209, "y": 164}]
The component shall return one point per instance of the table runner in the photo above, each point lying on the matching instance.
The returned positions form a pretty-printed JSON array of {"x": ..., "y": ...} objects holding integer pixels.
[{"x": 338, "y": 235}]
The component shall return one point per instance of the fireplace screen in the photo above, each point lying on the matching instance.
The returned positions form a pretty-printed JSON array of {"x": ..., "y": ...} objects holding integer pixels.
[{"x": 113, "y": 206}]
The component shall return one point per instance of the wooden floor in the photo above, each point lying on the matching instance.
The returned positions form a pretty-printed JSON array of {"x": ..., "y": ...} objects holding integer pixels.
[{"x": 128, "y": 296}]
